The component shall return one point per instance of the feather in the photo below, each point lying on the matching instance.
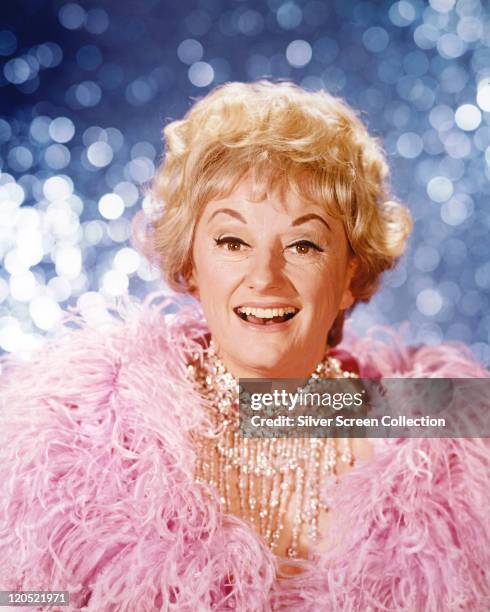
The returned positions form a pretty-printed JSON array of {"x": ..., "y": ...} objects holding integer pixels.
[{"x": 97, "y": 494}]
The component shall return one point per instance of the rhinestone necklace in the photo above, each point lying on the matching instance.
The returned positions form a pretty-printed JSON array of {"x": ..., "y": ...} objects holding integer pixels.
[{"x": 258, "y": 478}]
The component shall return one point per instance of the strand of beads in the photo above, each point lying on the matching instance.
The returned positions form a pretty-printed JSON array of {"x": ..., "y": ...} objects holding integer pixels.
[{"x": 264, "y": 480}]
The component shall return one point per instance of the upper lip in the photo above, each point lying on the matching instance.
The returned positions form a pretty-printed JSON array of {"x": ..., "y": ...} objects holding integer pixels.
[{"x": 266, "y": 305}]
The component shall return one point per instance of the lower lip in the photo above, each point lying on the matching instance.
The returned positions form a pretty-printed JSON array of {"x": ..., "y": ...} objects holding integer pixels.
[{"x": 270, "y": 328}]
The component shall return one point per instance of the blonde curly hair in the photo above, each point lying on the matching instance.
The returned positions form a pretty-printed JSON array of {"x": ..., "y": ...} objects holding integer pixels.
[{"x": 281, "y": 136}]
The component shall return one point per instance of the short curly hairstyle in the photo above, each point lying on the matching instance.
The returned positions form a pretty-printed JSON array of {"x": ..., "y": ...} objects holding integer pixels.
[{"x": 281, "y": 136}]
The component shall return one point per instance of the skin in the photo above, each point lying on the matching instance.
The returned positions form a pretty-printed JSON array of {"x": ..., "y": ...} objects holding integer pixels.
[
  {"x": 256, "y": 253},
  {"x": 281, "y": 249}
]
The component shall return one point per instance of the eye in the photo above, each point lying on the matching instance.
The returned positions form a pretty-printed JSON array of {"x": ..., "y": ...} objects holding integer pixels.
[
  {"x": 232, "y": 244},
  {"x": 303, "y": 247}
]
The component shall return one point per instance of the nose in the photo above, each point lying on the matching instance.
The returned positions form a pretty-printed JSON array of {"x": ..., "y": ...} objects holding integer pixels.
[{"x": 265, "y": 270}]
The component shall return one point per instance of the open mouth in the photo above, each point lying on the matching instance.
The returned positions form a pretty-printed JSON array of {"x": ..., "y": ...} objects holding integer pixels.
[{"x": 266, "y": 316}]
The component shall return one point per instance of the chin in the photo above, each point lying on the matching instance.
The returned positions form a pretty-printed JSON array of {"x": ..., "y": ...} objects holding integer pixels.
[{"x": 268, "y": 363}]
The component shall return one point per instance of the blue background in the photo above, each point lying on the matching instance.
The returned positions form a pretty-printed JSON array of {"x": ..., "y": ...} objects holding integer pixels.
[{"x": 85, "y": 90}]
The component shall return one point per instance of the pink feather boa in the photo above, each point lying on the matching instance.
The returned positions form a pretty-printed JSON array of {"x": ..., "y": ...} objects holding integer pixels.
[{"x": 97, "y": 495}]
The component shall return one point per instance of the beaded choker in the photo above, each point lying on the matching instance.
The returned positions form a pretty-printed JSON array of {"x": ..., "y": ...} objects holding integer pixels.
[{"x": 275, "y": 484}]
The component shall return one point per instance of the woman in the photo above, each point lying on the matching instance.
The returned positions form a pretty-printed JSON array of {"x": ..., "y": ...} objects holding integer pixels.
[{"x": 124, "y": 478}]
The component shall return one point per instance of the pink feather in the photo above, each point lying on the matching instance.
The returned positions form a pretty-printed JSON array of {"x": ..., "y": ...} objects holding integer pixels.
[{"x": 97, "y": 495}]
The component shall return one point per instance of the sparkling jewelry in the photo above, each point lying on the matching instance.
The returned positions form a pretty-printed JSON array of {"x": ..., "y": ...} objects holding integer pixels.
[{"x": 258, "y": 478}]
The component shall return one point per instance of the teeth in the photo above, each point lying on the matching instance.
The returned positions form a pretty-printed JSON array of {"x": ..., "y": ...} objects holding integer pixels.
[{"x": 266, "y": 313}]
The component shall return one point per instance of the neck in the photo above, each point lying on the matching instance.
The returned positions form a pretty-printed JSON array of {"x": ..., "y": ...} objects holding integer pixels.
[{"x": 299, "y": 369}]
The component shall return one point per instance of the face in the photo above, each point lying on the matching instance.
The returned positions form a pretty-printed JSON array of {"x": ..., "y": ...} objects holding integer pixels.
[{"x": 271, "y": 277}]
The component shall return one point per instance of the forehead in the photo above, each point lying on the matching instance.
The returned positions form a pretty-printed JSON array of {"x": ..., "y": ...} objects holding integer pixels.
[{"x": 281, "y": 201}]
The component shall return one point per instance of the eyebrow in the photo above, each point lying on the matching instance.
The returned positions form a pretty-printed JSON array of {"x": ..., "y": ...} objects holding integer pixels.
[
  {"x": 309, "y": 217},
  {"x": 227, "y": 211},
  {"x": 298, "y": 221}
]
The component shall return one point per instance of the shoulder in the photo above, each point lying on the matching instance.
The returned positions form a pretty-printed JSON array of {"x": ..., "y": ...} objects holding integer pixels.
[
  {"x": 99, "y": 389},
  {"x": 138, "y": 342},
  {"x": 418, "y": 506},
  {"x": 383, "y": 351},
  {"x": 95, "y": 460}
]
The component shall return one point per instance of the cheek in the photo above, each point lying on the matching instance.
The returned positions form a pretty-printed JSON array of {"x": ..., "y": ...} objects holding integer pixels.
[
  {"x": 324, "y": 286},
  {"x": 214, "y": 279},
  {"x": 215, "y": 290},
  {"x": 324, "y": 304}
]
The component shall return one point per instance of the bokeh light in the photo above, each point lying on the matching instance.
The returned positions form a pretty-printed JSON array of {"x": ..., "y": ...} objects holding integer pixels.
[{"x": 87, "y": 89}]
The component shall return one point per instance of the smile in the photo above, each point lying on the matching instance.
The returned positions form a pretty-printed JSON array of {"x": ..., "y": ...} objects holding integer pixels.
[{"x": 266, "y": 316}]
